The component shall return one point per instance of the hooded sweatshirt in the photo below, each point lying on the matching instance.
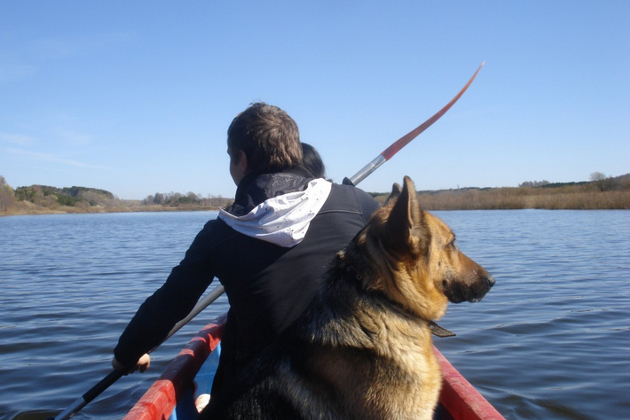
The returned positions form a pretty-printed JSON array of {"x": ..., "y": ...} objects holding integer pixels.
[
  {"x": 268, "y": 250},
  {"x": 282, "y": 220}
]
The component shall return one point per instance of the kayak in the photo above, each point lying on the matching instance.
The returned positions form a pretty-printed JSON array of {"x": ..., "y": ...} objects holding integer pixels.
[{"x": 172, "y": 396}]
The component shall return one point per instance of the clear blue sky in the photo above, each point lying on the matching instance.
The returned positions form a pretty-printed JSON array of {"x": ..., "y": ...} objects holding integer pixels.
[{"x": 135, "y": 97}]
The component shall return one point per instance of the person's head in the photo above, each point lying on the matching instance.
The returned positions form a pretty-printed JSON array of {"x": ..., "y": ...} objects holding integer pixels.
[
  {"x": 312, "y": 161},
  {"x": 266, "y": 137}
]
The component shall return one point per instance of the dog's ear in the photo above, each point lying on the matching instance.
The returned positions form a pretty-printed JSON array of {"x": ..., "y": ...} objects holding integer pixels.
[
  {"x": 396, "y": 190},
  {"x": 405, "y": 222}
]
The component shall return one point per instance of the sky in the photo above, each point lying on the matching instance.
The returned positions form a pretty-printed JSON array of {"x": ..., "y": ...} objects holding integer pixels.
[{"x": 135, "y": 97}]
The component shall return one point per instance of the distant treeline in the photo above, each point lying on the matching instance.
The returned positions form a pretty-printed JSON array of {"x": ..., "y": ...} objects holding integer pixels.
[
  {"x": 43, "y": 194},
  {"x": 39, "y": 199},
  {"x": 190, "y": 201},
  {"x": 600, "y": 193}
]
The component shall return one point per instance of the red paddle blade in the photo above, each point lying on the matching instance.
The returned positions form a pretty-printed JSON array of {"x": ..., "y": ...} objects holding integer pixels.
[{"x": 406, "y": 139}]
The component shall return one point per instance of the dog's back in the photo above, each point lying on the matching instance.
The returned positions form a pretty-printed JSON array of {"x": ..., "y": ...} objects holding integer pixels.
[{"x": 340, "y": 363}]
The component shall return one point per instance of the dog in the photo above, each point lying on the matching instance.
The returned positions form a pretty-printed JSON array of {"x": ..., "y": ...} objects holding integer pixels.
[{"x": 363, "y": 348}]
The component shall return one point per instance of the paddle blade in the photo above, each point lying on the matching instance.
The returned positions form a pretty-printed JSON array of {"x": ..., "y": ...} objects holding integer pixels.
[{"x": 404, "y": 140}]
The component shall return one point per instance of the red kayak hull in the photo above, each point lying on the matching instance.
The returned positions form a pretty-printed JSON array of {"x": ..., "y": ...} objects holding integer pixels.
[
  {"x": 160, "y": 399},
  {"x": 459, "y": 400}
]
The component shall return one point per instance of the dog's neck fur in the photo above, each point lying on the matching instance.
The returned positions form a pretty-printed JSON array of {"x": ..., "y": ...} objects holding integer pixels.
[
  {"x": 357, "y": 315},
  {"x": 436, "y": 330},
  {"x": 351, "y": 322}
]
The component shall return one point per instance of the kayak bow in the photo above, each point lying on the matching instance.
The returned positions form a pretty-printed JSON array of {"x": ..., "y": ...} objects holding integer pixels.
[{"x": 459, "y": 400}]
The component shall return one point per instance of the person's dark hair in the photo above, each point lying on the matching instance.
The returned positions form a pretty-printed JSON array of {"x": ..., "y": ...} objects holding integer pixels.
[
  {"x": 268, "y": 136},
  {"x": 312, "y": 161}
]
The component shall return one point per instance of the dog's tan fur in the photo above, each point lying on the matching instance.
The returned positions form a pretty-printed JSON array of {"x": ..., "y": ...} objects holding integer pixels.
[{"x": 363, "y": 350}]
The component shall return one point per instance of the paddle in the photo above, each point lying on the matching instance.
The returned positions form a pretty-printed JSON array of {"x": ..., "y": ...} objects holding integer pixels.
[
  {"x": 395, "y": 147},
  {"x": 387, "y": 154},
  {"x": 114, "y": 375}
]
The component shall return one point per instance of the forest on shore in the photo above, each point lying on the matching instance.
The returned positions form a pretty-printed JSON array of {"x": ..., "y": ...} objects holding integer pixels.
[{"x": 601, "y": 192}]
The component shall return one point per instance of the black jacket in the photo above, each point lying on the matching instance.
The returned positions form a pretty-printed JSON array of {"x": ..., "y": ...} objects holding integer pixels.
[{"x": 268, "y": 286}]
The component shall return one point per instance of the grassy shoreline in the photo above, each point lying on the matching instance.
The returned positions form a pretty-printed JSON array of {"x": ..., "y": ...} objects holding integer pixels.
[
  {"x": 510, "y": 199},
  {"x": 566, "y": 198},
  {"x": 24, "y": 209}
]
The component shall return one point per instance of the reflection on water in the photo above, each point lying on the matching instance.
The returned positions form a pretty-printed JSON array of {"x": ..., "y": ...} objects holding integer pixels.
[{"x": 549, "y": 341}]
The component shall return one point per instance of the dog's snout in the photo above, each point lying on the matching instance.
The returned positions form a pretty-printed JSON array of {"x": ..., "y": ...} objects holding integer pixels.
[{"x": 490, "y": 280}]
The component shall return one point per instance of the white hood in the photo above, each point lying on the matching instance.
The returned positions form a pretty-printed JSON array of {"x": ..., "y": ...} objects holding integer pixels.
[{"x": 282, "y": 220}]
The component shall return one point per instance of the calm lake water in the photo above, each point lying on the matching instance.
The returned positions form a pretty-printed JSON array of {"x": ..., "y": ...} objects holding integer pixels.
[{"x": 550, "y": 341}]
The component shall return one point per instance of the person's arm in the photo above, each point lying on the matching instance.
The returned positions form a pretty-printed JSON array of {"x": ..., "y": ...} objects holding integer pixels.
[{"x": 172, "y": 302}]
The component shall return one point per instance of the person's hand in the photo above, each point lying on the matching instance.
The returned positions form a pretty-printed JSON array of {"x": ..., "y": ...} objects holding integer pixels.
[{"x": 142, "y": 364}]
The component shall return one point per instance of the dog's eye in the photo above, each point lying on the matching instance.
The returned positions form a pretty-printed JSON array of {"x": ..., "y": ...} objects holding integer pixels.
[{"x": 452, "y": 244}]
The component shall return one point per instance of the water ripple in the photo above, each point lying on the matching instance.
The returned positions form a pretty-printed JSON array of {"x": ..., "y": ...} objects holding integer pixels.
[{"x": 551, "y": 339}]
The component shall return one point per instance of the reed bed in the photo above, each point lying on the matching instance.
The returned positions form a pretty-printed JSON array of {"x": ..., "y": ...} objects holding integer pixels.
[
  {"x": 524, "y": 198},
  {"x": 581, "y": 196}
]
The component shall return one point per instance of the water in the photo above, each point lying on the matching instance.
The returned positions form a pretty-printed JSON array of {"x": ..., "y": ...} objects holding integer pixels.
[{"x": 550, "y": 341}]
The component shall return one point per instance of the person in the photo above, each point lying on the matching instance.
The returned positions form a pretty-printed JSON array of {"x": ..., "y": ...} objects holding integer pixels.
[
  {"x": 267, "y": 249},
  {"x": 312, "y": 161}
]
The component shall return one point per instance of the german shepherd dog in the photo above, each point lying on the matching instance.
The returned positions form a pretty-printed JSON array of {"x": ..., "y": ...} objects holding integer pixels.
[{"x": 363, "y": 349}]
